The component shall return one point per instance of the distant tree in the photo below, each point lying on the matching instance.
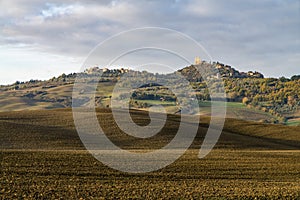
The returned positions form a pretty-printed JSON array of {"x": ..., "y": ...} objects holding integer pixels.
[
  {"x": 63, "y": 75},
  {"x": 283, "y": 79},
  {"x": 295, "y": 77},
  {"x": 245, "y": 101},
  {"x": 232, "y": 96}
]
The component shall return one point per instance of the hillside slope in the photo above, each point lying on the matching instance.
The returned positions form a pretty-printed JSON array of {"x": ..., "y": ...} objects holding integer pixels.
[{"x": 54, "y": 129}]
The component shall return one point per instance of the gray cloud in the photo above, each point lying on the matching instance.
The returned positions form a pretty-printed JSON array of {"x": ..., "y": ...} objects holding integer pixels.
[{"x": 259, "y": 35}]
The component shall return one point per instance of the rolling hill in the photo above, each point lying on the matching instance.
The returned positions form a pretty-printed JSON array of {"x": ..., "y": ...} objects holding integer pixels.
[{"x": 249, "y": 95}]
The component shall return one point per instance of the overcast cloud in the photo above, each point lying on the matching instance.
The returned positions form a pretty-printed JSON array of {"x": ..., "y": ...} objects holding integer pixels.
[{"x": 40, "y": 39}]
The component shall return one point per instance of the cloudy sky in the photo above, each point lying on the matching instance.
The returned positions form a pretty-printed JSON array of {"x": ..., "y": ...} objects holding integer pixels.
[{"x": 42, "y": 39}]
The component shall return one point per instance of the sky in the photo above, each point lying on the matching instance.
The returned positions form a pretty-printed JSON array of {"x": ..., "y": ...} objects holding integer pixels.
[{"x": 42, "y": 39}]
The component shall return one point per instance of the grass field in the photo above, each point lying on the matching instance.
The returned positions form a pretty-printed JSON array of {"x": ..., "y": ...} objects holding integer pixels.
[
  {"x": 234, "y": 110},
  {"x": 42, "y": 158},
  {"x": 295, "y": 122}
]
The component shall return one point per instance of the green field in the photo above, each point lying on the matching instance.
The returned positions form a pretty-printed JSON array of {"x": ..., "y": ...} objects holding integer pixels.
[
  {"x": 293, "y": 123},
  {"x": 234, "y": 110},
  {"x": 43, "y": 158}
]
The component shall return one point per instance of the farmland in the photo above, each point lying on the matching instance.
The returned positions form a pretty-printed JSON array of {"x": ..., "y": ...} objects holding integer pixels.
[{"x": 43, "y": 158}]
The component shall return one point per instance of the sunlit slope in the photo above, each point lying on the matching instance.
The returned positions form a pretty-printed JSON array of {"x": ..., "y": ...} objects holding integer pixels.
[{"x": 36, "y": 98}]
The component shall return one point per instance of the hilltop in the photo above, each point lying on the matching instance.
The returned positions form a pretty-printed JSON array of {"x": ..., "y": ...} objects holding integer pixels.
[{"x": 223, "y": 71}]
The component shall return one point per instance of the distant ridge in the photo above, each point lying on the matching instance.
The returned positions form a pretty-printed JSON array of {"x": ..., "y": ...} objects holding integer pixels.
[{"x": 269, "y": 100}]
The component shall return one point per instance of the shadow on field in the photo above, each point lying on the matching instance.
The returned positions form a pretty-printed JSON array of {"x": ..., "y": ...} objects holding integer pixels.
[{"x": 54, "y": 129}]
